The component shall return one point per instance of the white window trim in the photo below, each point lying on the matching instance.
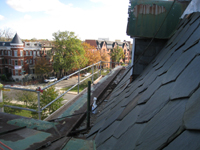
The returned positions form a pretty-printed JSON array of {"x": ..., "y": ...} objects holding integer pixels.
[
  {"x": 21, "y": 53},
  {"x": 15, "y": 52}
]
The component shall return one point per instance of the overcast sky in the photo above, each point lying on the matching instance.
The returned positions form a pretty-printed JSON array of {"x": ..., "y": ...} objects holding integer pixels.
[{"x": 89, "y": 19}]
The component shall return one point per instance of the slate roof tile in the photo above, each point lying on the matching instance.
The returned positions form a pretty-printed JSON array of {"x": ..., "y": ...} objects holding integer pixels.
[
  {"x": 180, "y": 64},
  {"x": 132, "y": 104},
  {"x": 169, "y": 62},
  {"x": 187, "y": 140},
  {"x": 167, "y": 95},
  {"x": 128, "y": 139},
  {"x": 192, "y": 39},
  {"x": 164, "y": 59},
  {"x": 187, "y": 34},
  {"x": 96, "y": 127},
  {"x": 150, "y": 90},
  {"x": 160, "y": 56},
  {"x": 108, "y": 144},
  {"x": 192, "y": 113},
  {"x": 159, "y": 99},
  {"x": 187, "y": 79},
  {"x": 111, "y": 118},
  {"x": 127, "y": 121},
  {"x": 163, "y": 126},
  {"x": 105, "y": 135},
  {"x": 194, "y": 17}
]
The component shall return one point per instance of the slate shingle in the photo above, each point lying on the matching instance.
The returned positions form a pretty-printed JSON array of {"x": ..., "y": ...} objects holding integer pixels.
[
  {"x": 192, "y": 113},
  {"x": 188, "y": 140},
  {"x": 167, "y": 96},
  {"x": 155, "y": 103},
  {"x": 188, "y": 81},
  {"x": 163, "y": 126}
]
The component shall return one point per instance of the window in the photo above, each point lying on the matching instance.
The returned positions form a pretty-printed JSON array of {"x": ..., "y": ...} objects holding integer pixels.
[
  {"x": 2, "y": 61},
  {"x": 5, "y": 52},
  {"x": 31, "y": 53},
  {"x": 1, "y": 52},
  {"x": 8, "y": 53},
  {"x": 26, "y": 53},
  {"x": 38, "y": 53},
  {"x": 16, "y": 62},
  {"x": 9, "y": 61},
  {"x": 30, "y": 61},
  {"x": 22, "y": 62},
  {"x": 15, "y": 53},
  {"x": 33, "y": 61},
  {"x": 21, "y": 53},
  {"x": 35, "y": 44},
  {"x": 27, "y": 61},
  {"x": 16, "y": 72},
  {"x": 34, "y": 53},
  {"x": 5, "y": 61}
]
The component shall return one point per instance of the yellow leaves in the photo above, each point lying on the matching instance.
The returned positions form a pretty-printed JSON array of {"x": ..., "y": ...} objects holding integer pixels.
[{"x": 91, "y": 53}]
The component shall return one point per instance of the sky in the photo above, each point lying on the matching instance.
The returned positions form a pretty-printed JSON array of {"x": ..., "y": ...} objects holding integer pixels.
[{"x": 89, "y": 19}]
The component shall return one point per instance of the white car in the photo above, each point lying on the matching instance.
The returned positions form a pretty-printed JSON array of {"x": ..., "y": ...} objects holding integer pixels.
[
  {"x": 87, "y": 74},
  {"x": 51, "y": 79}
]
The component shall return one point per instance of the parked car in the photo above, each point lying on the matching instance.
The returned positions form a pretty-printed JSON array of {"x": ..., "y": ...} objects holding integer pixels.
[
  {"x": 51, "y": 79},
  {"x": 87, "y": 74}
]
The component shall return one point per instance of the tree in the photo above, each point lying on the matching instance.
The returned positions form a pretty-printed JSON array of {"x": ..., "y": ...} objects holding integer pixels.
[
  {"x": 69, "y": 52},
  {"x": 6, "y": 34},
  {"x": 42, "y": 66},
  {"x": 91, "y": 54},
  {"x": 29, "y": 98},
  {"x": 47, "y": 96},
  {"x": 117, "y": 54},
  {"x": 104, "y": 58}
]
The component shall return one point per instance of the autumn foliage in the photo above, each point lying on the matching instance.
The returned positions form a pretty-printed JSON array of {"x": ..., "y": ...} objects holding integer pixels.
[
  {"x": 42, "y": 66},
  {"x": 91, "y": 53}
]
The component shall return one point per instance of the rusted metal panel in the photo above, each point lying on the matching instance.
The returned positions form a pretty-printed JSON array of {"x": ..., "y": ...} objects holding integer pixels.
[
  {"x": 146, "y": 17},
  {"x": 148, "y": 9}
]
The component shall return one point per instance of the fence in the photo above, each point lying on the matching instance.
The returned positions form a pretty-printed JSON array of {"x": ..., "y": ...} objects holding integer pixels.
[{"x": 39, "y": 110}]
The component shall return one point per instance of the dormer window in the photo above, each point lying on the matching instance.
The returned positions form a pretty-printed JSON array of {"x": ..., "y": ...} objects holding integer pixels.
[
  {"x": 35, "y": 44},
  {"x": 28, "y": 44}
]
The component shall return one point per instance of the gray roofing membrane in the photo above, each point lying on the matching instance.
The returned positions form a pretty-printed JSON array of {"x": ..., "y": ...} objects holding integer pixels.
[{"x": 161, "y": 108}]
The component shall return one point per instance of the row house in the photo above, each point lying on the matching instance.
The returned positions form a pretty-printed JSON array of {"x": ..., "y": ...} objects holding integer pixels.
[
  {"x": 105, "y": 46},
  {"x": 17, "y": 58}
]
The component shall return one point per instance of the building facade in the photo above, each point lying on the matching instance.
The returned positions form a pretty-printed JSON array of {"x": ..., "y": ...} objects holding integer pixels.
[
  {"x": 104, "y": 46},
  {"x": 17, "y": 58}
]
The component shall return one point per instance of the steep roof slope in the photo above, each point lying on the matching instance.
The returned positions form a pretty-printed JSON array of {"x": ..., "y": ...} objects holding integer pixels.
[
  {"x": 16, "y": 40},
  {"x": 161, "y": 108}
]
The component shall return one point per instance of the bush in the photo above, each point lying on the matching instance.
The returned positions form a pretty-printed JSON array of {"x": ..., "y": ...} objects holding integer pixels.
[{"x": 3, "y": 77}]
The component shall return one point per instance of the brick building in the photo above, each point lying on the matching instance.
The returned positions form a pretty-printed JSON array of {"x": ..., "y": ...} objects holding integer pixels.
[
  {"x": 17, "y": 58},
  {"x": 106, "y": 46}
]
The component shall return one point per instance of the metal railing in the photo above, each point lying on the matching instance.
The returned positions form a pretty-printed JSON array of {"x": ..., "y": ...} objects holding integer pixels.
[{"x": 39, "y": 109}]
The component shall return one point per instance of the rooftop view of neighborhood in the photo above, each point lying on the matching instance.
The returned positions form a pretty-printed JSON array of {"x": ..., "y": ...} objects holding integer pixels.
[
  {"x": 23, "y": 60},
  {"x": 101, "y": 94}
]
